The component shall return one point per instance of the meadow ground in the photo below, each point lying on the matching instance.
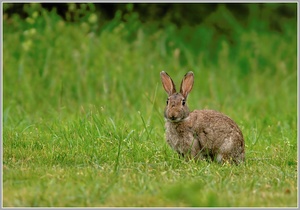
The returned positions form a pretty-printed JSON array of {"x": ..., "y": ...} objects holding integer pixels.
[{"x": 83, "y": 113}]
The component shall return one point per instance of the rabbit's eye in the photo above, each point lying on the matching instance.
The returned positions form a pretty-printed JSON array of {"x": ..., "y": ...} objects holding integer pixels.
[
  {"x": 167, "y": 101},
  {"x": 183, "y": 102}
]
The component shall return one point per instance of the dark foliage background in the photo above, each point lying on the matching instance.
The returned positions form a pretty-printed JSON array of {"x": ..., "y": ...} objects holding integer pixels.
[{"x": 180, "y": 14}]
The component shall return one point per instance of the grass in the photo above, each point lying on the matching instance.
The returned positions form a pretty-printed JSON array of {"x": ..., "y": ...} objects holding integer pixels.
[{"x": 83, "y": 114}]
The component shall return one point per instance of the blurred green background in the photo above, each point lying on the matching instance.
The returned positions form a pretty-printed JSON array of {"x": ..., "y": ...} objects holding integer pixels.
[{"x": 92, "y": 44}]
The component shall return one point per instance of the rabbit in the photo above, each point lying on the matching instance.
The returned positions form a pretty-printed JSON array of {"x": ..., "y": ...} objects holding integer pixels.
[{"x": 200, "y": 134}]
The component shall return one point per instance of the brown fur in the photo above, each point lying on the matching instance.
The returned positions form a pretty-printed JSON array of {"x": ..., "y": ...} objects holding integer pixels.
[{"x": 201, "y": 134}]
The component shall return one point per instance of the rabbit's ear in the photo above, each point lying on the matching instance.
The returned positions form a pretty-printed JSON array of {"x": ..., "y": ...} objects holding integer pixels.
[
  {"x": 167, "y": 83},
  {"x": 187, "y": 84}
]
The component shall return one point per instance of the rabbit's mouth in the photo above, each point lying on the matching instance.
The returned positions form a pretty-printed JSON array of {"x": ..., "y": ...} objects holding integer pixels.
[
  {"x": 175, "y": 116},
  {"x": 176, "y": 119}
]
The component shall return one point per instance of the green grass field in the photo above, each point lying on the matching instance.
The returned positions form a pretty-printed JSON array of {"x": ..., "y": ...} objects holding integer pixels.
[{"x": 83, "y": 113}]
